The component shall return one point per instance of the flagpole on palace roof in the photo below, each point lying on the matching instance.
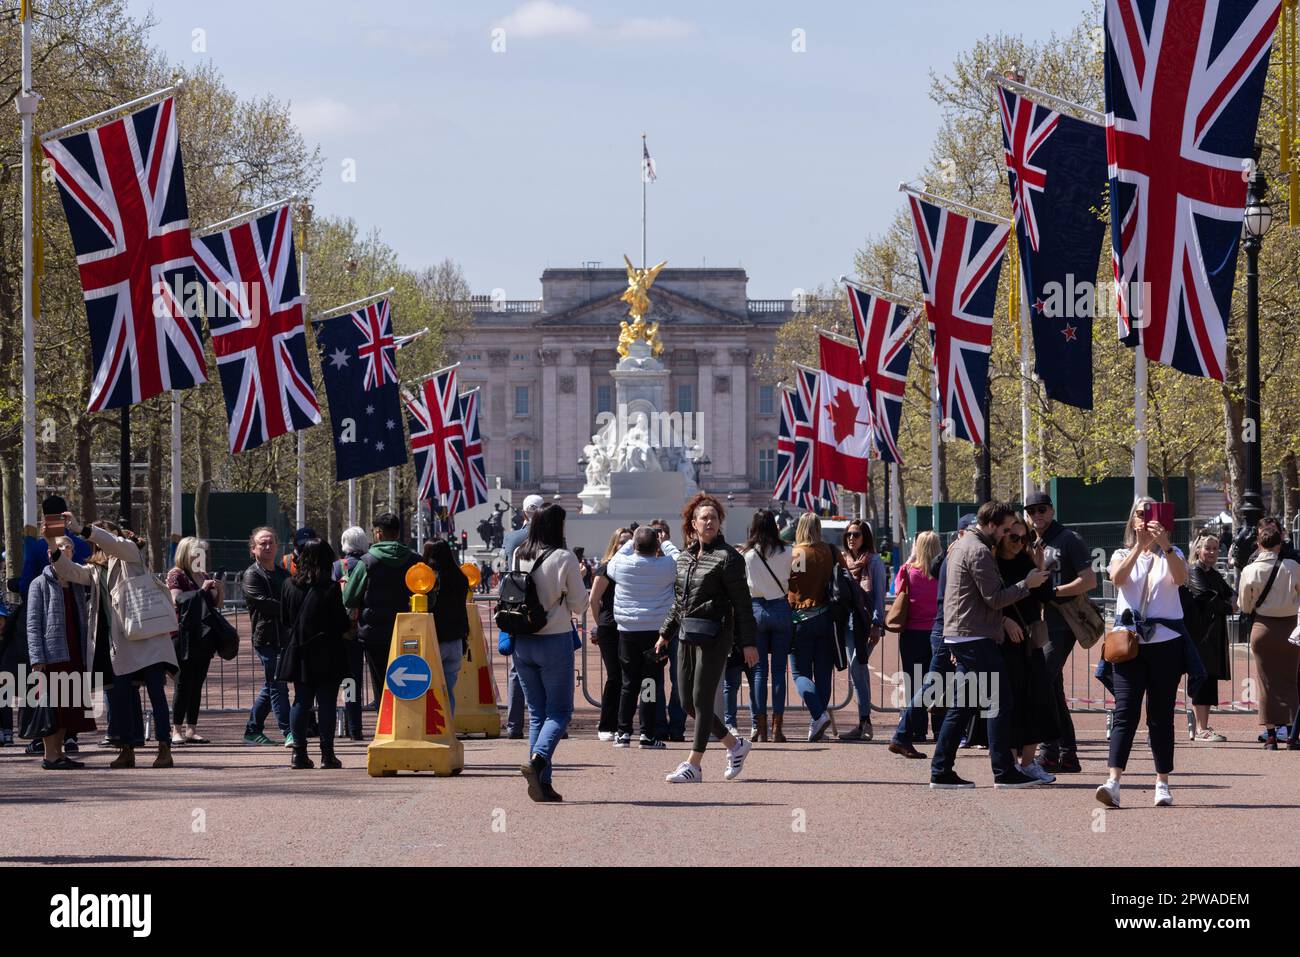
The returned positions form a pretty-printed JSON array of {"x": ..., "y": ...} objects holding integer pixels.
[{"x": 27, "y": 103}]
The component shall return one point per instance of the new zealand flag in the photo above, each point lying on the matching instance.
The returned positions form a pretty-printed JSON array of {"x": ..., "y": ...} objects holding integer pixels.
[
  {"x": 364, "y": 402},
  {"x": 1056, "y": 168}
]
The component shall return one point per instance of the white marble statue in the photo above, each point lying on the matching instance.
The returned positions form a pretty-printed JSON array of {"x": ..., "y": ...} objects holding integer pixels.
[{"x": 635, "y": 454}]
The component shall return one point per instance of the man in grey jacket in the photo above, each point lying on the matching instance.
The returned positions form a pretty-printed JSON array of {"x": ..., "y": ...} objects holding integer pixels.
[
  {"x": 645, "y": 571},
  {"x": 973, "y": 600}
]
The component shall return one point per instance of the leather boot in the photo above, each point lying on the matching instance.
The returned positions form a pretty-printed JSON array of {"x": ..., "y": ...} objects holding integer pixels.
[
  {"x": 164, "y": 759},
  {"x": 327, "y": 758},
  {"x": 778, "y": 734},
  {"x": 125, "y": 759},
  {"x": 760, "y": 727},
  {"x": 300, "y": 761}
]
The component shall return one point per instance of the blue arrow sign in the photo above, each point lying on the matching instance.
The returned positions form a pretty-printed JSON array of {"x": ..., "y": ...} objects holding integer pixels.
[{"x": 409, "y": 676}]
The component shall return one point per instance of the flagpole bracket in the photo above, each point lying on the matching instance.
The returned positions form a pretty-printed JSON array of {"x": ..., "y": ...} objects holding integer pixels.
[{"x": 27, "y": 103}]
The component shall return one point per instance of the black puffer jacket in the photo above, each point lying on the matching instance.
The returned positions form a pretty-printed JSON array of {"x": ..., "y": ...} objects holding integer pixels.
[{"x": 711, "y": 584}]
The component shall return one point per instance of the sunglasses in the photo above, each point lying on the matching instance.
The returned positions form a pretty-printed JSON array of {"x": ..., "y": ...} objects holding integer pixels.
[
  {"x": 1038, "y": 509},
  {"x": 852, "y": 534}
]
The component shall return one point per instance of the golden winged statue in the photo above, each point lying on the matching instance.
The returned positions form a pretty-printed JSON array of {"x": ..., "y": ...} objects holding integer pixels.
[{"x": 636, "y": 296}]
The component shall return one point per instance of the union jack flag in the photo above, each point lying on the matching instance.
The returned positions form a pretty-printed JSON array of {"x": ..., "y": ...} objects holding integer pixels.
[
  {"x": 377, "y": 346},
  {"x": 883, "y": 330},
  {"x": 793, "y": 455},
  {"x": 813, "y": 491},
  {"x": 123, "y": 191},
  {"x": 960, "y": 259},
  {"x": 1184, "y": 84},
  {"x": 1025, "y": 127},
  {"x": 257, "y": 329},
  {"x": 475, "y": 491},
  {"x": 437, "y": 436}
]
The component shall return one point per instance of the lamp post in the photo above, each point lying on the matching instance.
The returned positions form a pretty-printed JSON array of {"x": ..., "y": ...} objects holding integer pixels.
[
  {"x": 699, "y": 464},
  {"x": 1258, "y": 218}
]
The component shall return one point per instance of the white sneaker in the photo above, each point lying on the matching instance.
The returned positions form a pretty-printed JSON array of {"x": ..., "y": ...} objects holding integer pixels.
[
  {"x": 686, "y": 773},
  {"x": 733, "y": 730},
  {"x": 736, "y": 758},
  {"x": 622, "y": 740},
  {"x": 1036, "y": 770},
  {"x": 818, "y": 727},
  {"x": 604, "y": 735},
  {"x": 1108, "y": 794},
  {"x": 1163, "y": 797}
]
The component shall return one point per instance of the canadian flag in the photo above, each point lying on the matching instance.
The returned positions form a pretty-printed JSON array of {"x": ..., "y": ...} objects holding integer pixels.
[{"x": 844, "y": 427}]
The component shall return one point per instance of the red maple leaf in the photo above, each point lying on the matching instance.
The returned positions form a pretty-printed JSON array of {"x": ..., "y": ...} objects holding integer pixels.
[{"x": 844, "y": 415}]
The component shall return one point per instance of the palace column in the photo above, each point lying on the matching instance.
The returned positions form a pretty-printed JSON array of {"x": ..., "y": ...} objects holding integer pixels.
[
  {"x": 582, "y": 427},
  {"x": 550, "y": 403},
  {"x": 705, "y": 405},
  {"x": 740, "y": 438},
  {"x": 498, "y": 418}
]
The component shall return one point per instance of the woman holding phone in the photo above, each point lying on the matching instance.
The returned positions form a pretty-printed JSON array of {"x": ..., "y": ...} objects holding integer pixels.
[{"x": 1147, "y": 573}]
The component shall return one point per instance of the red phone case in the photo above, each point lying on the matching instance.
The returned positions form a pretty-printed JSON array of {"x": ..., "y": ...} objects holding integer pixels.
[{"x": 1163, "y": 513}]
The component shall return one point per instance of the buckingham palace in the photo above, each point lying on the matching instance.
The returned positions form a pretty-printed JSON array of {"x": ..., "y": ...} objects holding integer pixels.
[{"x": 544, "y": 368}]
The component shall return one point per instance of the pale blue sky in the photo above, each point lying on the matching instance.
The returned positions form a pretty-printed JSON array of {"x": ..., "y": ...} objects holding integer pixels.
[{"x": 509, "y": 162}]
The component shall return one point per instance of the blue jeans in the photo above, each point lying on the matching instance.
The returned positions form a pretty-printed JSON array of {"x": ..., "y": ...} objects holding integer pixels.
[
  {"x": 671, "y": 713},
  {"x": 323, "y": 698},
  {"x": 515, "y": 692},
  {"x": 544, "y": 664},
  {"x": 731, "y": 692},
  {"x": 914, "y": 654},
  {"x": 775, "y": 639},
  {"x": 859, "y": 673},
  {"x": 274, "y": 696},
  {"x": 814, "y": 662},
  {"x": 451, "y": 654},
  {"x": 126, "y": 719},
  {"x": 983, "y": 659}
]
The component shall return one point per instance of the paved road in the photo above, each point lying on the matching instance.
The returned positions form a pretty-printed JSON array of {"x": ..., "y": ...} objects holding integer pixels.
[{"x": 829, "y": 803}]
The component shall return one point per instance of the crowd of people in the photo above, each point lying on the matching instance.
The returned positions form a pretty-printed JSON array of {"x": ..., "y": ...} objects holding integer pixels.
[{"x": 984, "y": 632}]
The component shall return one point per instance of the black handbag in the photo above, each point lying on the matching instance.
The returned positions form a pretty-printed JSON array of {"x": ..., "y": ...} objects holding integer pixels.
[
  {"x": 699, "y": 631},
  {"x": 38, "y": 721},
  {"x": 220, "y": 634}
]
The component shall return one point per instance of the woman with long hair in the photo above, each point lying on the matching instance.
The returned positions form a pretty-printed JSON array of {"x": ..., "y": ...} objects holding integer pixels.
[
  {"x": 917, "y": 580},
  {"x": 867, "y": 569},
  {"x": 189, "y": 581},
  {"x": 544, "y": 661},
  {"x": 450, "y": 614},
  {"x": 315, "y": 659},
  {"x": 712, "y": 610},
  {"x": 812, "y": 566},
  {"x": 1033, "y": 705},
  {"x": 767, "y": 573},
  {"x": 605, "y": 637},
  {"x": 1270, "y": 592},
  {"x": 1213, "y": 600},
  {"x": 1147, "y": 573}
]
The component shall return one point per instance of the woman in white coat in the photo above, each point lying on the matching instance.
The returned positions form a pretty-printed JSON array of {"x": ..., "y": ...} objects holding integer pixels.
[{"x": 146, "y": 661}]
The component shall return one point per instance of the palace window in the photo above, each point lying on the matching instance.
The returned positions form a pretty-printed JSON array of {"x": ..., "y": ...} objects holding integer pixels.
[
  {"x": 767, "y": 400},
  {"x": 686, "y": 397},
  {"x": 521, "y": 400},
  {"x": 604, "y": 398},
  {"x": 523, "y": 468},
  {"x": 767, "y": 466}
]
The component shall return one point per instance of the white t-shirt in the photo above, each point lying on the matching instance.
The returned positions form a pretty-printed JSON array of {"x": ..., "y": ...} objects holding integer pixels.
[
  {"x": 761, "y": 583},
  {"x": 1162, "y": 594}
]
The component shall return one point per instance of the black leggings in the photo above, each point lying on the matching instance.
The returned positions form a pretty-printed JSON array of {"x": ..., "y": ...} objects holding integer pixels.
[
  {"x": 609, "y": 694},
  {"x": 1155, "y": 674},
  {"x": 636, "y": 668},
  {"x": 700, "y": 667},
  {"x": 189, "y": 689}
]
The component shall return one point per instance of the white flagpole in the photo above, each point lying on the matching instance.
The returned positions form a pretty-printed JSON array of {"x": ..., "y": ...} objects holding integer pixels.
[
  {"x": 27, "y": 102},
  {"x": 392, "y": 489},
  {"x": 645, "y": 176},
  {"x": 1026, "y": 485},
  {"x": 300, "y": 506},
  {"x": 934, "y": 448},
  {"x": 352, "y": 502},
  {"x": 176, "y": 463},
  {"x": 896, "y": 510},
  {"x": 1140, "y": 469}
]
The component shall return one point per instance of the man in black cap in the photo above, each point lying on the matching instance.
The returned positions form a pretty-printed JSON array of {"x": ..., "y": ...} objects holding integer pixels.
[{"x": 1067, "y": 558}]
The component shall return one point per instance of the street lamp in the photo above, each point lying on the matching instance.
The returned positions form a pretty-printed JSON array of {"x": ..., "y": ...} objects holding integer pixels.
[
  {"x": 699, "y": 464},
  {"x": 1255, "y": 224}
]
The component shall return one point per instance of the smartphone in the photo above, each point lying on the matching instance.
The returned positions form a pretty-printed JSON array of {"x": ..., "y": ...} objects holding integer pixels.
[
  {"x": 55, "y": 525},
  {"x": 1160, "y": 512}
]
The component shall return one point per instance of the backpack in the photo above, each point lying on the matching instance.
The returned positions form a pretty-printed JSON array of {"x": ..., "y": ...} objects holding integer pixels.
[{"x": 519, "y": 610}]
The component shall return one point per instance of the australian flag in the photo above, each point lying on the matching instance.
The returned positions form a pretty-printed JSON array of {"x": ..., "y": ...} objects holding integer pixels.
[
  {"x": 1056, "y": 168},
  {"x": 356, "y": 357}
]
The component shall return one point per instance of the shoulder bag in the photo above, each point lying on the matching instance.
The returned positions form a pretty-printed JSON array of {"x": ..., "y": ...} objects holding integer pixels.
[
  {"x": 145, "y": 607},
  {"x": 1248, "y": 618},
  {"x": 1121, "y": 644},
  {"x": 896, "y": 618}
]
